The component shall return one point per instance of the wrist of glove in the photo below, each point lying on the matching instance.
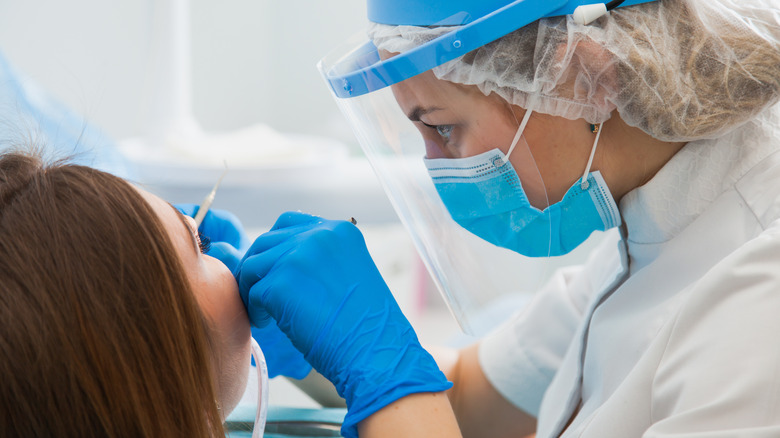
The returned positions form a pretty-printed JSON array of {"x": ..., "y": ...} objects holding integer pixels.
[
  {"x": 317, "y": 280},
  {"x": 378, "y": 371}
]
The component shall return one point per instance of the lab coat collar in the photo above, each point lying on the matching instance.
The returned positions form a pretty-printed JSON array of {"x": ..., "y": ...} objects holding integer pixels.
[{"x": 659, "y": 210}]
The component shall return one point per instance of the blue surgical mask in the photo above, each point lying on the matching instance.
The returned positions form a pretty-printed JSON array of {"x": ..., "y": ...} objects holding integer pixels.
[{"x": 485, "y": 196}]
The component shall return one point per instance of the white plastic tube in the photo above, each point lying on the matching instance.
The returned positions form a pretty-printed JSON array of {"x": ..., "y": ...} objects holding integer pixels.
[
  {"x": 262, "y": 394},
  {"x": 586, "y": 14}
]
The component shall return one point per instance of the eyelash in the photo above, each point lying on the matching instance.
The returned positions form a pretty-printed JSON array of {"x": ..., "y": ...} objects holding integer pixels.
[
  {"x": 204, "y": 243},
  {"x": 438, "y": 129}
]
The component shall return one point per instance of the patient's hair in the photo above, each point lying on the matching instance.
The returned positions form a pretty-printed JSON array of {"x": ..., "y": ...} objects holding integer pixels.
[{"x": 100, "y": 334}]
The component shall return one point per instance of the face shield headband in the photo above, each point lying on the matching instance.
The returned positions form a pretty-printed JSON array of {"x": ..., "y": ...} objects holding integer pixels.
[{"x": 474, "y": 23}]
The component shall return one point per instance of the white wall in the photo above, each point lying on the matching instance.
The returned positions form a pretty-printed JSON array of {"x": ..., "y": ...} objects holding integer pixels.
[{"x": 253, "y": 61}]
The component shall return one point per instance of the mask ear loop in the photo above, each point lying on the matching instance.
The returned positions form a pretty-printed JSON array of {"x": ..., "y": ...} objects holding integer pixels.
[
  {"x": 262, "y": 395},
  {"x": 519, "y": 133},
  {"x": 584, "y": 184}
]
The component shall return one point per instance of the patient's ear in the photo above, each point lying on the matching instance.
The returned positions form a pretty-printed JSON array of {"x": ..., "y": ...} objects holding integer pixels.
[{"x": 590, "y": 75}]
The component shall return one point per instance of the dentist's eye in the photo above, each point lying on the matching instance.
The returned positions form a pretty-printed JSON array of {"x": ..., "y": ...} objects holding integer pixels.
[{"x": 445, "y": 131}]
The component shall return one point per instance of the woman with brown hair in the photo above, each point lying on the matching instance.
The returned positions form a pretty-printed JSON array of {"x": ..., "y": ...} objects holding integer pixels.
[{"x": 112, "y": 320}]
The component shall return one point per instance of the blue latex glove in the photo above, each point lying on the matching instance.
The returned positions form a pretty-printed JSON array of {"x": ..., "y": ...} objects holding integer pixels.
[
  {"x": 281, "y": 356},
  {"x": 316, "y": 278},
  {"x": 228, "y": 244}
]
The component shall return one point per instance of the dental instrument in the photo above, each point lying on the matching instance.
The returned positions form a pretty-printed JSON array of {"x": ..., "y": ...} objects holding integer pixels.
[{"x": 208, "y": 200}]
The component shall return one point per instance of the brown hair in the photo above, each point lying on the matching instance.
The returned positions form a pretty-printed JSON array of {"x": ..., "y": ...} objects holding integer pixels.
[
  {"x": 723, "y": 94},
  {"x": 679, "y": 70},
  {"x": 100, "y": 334}
]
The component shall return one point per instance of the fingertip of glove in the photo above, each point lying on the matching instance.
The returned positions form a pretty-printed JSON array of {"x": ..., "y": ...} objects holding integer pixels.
[{"x": 292, "y": 218}]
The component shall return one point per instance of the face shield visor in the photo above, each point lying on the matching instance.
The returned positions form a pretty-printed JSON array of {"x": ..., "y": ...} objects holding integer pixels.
[{"x": 453, "y": 161}]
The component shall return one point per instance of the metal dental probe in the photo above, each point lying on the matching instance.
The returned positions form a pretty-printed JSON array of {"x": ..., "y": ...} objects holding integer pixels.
[{"x": 208, "y": 200}]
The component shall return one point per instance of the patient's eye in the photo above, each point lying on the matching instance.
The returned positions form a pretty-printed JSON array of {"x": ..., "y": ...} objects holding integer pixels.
[{"x": 204, "y": 243}]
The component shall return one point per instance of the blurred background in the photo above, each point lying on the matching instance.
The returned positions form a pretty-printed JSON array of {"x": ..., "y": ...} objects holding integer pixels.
[{"x": 251, "y": 60}]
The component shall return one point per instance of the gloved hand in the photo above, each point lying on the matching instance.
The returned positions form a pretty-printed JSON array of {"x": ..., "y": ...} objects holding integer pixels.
[
  {"x": 281, "y": 356},
  {"x": 228, "y": 244},
  {"x": 317, "y": 280}
]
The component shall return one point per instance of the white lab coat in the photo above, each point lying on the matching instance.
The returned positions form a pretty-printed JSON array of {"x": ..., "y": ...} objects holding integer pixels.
[{"x": 672, "y": 331}]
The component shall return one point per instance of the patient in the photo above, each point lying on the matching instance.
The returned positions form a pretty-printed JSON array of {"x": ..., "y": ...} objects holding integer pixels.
[{"x": 112, "y": 320}]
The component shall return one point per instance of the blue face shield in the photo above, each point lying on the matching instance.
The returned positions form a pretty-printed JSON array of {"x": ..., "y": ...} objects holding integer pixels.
[
  {"x": 380, "y": 76},
  {"x": 484, "y": 195}
]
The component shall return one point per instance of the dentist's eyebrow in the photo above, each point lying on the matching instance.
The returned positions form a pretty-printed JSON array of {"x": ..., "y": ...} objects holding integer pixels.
[
  {"x": 188, "y": 228},
  {"x": 419, "y": 111}
]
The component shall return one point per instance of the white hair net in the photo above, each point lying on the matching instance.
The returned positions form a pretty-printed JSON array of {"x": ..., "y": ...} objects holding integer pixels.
[{"x": 680, "y": 70}]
